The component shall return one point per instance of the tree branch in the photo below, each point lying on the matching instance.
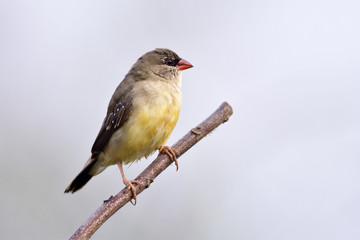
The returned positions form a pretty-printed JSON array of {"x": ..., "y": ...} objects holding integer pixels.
[{"x": 109, "y": 207}]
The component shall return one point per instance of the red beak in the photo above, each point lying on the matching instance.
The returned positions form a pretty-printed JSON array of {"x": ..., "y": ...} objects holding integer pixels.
[{"x": 183, "y": 64}]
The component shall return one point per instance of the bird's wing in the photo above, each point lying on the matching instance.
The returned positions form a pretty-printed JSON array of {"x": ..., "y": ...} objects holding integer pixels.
[{"x": 119, "y": 110}]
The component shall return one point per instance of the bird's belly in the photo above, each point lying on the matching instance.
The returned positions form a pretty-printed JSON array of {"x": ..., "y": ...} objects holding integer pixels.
[{"x": 148, "y": 127}]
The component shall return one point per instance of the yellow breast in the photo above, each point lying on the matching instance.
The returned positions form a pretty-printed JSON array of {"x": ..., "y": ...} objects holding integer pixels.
[{"x": 155, "y": 113}]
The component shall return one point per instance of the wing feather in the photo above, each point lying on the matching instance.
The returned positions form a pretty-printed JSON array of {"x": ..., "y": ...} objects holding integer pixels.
[
  {"x": 119, "y": 110},
  {"x": 113, "y": 121}
]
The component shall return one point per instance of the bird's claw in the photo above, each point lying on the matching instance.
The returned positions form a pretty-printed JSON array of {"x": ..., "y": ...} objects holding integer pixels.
[
  {"x": 129, "y": 184},
  {"x": 171, "y": 152}
]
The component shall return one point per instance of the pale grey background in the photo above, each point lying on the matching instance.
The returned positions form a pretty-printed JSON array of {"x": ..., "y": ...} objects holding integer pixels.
[{"x": 286, "y": 165}]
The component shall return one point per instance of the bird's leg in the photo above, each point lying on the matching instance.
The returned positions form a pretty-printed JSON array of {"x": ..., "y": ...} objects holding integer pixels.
[
  {"x": 171, "y": 152},
  {"x": 128, "y": 183}
]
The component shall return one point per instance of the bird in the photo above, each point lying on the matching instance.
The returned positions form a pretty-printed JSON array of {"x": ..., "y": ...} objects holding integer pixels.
[{"x": 140, "y": 118}]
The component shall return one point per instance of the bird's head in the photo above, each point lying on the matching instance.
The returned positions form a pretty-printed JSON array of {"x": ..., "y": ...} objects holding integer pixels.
[{"x": 164, "y": 63}]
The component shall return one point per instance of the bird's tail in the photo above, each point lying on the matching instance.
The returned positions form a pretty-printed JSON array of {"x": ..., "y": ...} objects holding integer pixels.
[{"x": 83, "y": 177}]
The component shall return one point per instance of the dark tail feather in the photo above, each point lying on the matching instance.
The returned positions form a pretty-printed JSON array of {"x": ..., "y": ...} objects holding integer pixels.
[{"x": 81, "y": 179}]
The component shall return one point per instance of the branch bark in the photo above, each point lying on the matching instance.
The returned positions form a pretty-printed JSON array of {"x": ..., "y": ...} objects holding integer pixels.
[{"x": 110, "y": 206}]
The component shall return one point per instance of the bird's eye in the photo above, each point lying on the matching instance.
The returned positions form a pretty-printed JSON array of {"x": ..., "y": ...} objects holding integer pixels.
[{"x": 169, "y": 62}]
